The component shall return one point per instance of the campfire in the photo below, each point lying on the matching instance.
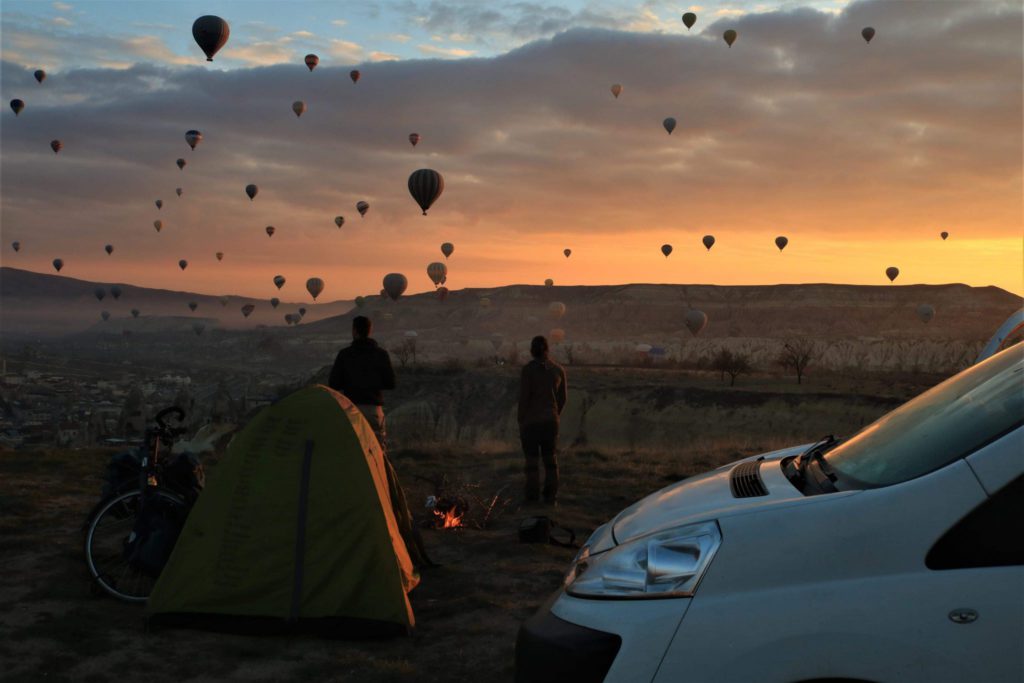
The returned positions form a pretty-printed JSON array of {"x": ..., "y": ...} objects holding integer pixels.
[
  {"x": 458, "y": 505},
  {"x": 449, "y": 519},
  {"x": 447, "y": 512}
]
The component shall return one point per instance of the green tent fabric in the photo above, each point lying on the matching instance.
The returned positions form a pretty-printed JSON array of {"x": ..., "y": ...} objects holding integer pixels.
[{"x": 295, "y": 531}]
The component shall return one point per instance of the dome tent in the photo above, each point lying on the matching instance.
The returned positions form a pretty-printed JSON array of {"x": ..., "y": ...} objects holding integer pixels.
[{"x": 295, "y": 531}]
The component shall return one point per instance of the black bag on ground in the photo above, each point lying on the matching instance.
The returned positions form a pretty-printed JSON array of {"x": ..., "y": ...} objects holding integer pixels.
[
  {"x": 156, "y": 530},
  {"x": 542, "y": 530},
  {"x": 184, "y": 474}
]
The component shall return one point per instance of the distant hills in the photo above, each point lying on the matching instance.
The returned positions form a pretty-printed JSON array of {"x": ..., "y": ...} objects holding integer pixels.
[{"x": 43, "y": 305}]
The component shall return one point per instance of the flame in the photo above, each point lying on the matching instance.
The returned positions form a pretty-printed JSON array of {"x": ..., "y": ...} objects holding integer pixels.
[{"x": 452, "y": 519}]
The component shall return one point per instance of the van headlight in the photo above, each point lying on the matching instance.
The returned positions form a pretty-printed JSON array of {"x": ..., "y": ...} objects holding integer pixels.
[{"x": 668, "y": 564}]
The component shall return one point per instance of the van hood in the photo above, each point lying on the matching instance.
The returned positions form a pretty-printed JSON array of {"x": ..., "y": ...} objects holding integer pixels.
[{"x": 704, "y": 497}]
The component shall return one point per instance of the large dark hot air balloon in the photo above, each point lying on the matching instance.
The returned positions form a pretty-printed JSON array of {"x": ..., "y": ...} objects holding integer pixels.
[
  {"x": 274, "y": 302},
  {"x": 135, "y": 313},
  {"x": 210, "y": 34},
  {"x": 708, "y": 241},
  {"x": 549, "y": 282},
  {"x": 666, "y": 249},
  {"x": 100, "y": 293},
  {"x": 669, "y": 124},
  {"x": 279, "y": 281},
  {"x": 248, "y": 309},
  {"x": 193, "y": 138},
  {"x": 567, "y": 252},
  {"x": 695, "y": 321},
  {"x": 299, "y": 107},
  {"x": 17, "y": 106},
  {"x": 781, "y": 242},
  {"x": 271, "y": 230},
  {"x": 181, "y": 164},
  {"x": 115, "y": 292},
  {"x": 56, "y": 146},
  {"x": 314, "y": 286},
  {"x": 729, "y": 37},
  {"x": 616, "y": 90},
  {"x": 425, "y": 186},
  {"x": 395, "y": 285},
  {"x": 109, "y": 249},
  {"x": 339, "y": 221},
  {"x": 183, "y": 264},
  {"x": 58, "y": 264},
  {"x": 16, "y": 245},
  {"x": 251, "y": 190},
  {"x": 219, "y": 255},
  {"x": 414, "y": 139},
  {"x": 192, "y": 306},
  {"x": 447, "y": 249},
  {"x": 159, "y": 204},
  {"x": 158, "y": 224},
  {"x": 362, "y": 207},
  {"x": 311, "y": 61},
  {"x": 198, "y": 328},
  {"x": 867, "y": 33},
  {"x": 689, "y": 19},
  {"x": 437, "y": 272},
  {"x": 892, "y": 272},
  {"x": 943, "y": 235},
  {"x": 40, "y": 75},
  {"x": 355, "y": 75}
]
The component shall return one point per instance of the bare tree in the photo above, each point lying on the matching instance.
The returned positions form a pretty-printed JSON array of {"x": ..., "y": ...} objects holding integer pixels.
[
  {"x": 405, "y": 351},
  {"x": 796, "y": 355},
  {"x": 733, "y": 364}
]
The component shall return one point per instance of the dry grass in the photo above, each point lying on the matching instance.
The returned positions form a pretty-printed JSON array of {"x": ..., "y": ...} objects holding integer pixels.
[{"x": 468, "y": 610}]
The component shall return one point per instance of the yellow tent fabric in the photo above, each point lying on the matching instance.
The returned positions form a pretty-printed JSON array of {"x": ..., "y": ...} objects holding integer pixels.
[{"x": 294, "y": 531}]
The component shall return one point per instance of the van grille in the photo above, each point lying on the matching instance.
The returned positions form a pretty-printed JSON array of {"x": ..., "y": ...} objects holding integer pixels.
[{"x": 745, "y": 480}]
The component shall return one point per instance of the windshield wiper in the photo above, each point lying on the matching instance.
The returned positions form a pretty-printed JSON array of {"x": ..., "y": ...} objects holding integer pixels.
[{"x": 815, "y": 452}]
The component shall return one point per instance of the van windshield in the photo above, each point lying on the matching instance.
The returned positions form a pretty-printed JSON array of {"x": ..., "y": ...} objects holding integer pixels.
[{"x": 945, "y": 423}]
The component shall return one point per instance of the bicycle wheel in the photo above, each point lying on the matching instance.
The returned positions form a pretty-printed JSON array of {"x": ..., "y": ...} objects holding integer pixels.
[{"x": 110, "y": 533}]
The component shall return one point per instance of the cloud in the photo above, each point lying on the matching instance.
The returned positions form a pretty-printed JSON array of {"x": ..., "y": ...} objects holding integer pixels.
[
  {"x": 62, "y": 7},
  {"x": 303, "y": 34},
  {"x": 62, "y": 21},
  {"x": 339, "y": 22},
  {"x": 800, "y": 128},
  {"x": 452, "y": 52},
  {"x": 378, "y": 56},
  {"x": 398, "y": 37}
]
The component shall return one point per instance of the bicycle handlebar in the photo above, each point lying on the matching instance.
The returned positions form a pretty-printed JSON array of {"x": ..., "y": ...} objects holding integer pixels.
[{"x": 164, "y": 428}]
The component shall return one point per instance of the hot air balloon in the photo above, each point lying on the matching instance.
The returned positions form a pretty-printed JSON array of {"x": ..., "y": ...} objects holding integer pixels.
[
  {"x": 135, "y": 313},
  {"x": 689, "y": 19},
  {"x": 549, "y": 282},
  {"x": 362, "y": 207},
  {"x": 224, "y": 301},
  {"x": 105, "y": 315},
  {"x": 556, "y": 335},
  {"x": 58, "y": 264},
  {"x": 314, "y": 286},
  {"x": 447, "y": 249},
  {"x": 666, "y": 249},
  {"x": 109, "y": 249},
  {"x": 178, "y": 191},
  {"x": 270, "y": 230},
  {"x": 159, "y": 204},
  {"x": 616, "y": 90},
  {"x": 274, "y": 302},
  {"x": 709, "y": 241},
  {"x": 193, "y": 138},
  {"x": 943, "y": 235},
  {"x": 100, "y": 293},
  {"x": 395, "y": 285},
  {"x": 339, "y": 221},
  {"x": 437, "y": 272},
  {"x": 181, "y": 164},
  {"x": 198, "y": 328},
  {"x": 425, "y": 186},
  {"x": 781, "y": 242},
  {"x": 16, "y": 246},
  {"x": 279, "y": 281},
  {"x": 115, "y": 292},
  {"x": 251, "y": 190},
  {"x": 219, "y": 255},
  {"x": 730, "y": 37},
  {"x": 868, "y": 33},
  {"x": 158, "y": 224},
  {"x": 302, "y": 312},
  {"x": 299, "y": 107},
  {"x": 192, "y": 306},
  {"x": 248, "y": 309},
  {"x": 556, "y": 309},
  {"x": 892, "y": 272},
  {"x": 354, "y": 75},
  {"x": 183, "y": 264},
  {"x": 414, "y": 138},
  {"x": 40, "y": 75},
  {"x": 210, "y": 33},
  {"x": 925, "y": 313},
  {"x": 17, "y": 106},
  {"x": 670, "y": 124},
  {"x": 56, "y": 146},
  {"x": 442, "y": 293},
  {"x": 695, "y": 321},
  {"x": 311, "y": 61},
  {"x": 360, "y": 301}
]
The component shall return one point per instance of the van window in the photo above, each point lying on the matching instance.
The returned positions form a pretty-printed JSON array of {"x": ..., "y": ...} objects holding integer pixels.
[
  {"x": 989, "y": 536},
  {"x": 945, "y": 423}
]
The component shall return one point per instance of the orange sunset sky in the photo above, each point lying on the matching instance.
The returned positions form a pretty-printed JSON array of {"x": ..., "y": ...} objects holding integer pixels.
[{"x": 859, "y": 153}]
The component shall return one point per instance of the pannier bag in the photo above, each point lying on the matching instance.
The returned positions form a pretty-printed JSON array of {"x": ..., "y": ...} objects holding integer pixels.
[{"x": 542, "y": 530}]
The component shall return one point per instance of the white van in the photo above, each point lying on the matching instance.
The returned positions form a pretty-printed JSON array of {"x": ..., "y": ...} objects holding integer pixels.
[{"x": 893, "y": 556}]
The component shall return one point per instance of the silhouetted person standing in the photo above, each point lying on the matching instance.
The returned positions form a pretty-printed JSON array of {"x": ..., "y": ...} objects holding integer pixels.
[
  {"x": 362, "y": 371},
  {"x": 542, "y": 394}
]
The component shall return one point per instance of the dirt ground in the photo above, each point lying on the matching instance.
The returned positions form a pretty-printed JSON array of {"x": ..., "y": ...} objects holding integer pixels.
[{"x": 53, "y": 628}]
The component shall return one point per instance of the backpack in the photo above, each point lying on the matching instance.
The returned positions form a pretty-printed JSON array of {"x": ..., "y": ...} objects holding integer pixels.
[{"x": 540, "y": 530}]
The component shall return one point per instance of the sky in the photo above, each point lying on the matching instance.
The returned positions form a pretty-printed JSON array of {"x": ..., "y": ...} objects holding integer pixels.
[{"x": 860, "y": 154}]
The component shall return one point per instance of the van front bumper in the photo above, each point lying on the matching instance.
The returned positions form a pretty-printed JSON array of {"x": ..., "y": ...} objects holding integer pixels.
[{"x": 595, "y": 641}]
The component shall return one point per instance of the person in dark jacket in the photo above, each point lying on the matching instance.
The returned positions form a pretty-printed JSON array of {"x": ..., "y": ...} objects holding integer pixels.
[
  {"x": 542, "y": 395},
  {"x": 362, "y": 371}
]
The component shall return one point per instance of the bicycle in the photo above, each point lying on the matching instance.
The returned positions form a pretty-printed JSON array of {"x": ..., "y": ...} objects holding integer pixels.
[{"x": 129, "y": 535}]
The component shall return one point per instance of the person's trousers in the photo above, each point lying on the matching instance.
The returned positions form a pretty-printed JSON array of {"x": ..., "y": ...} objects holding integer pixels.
[
  {"x": 375, "y": 416},
  {"x": 539, "y": 444}
]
